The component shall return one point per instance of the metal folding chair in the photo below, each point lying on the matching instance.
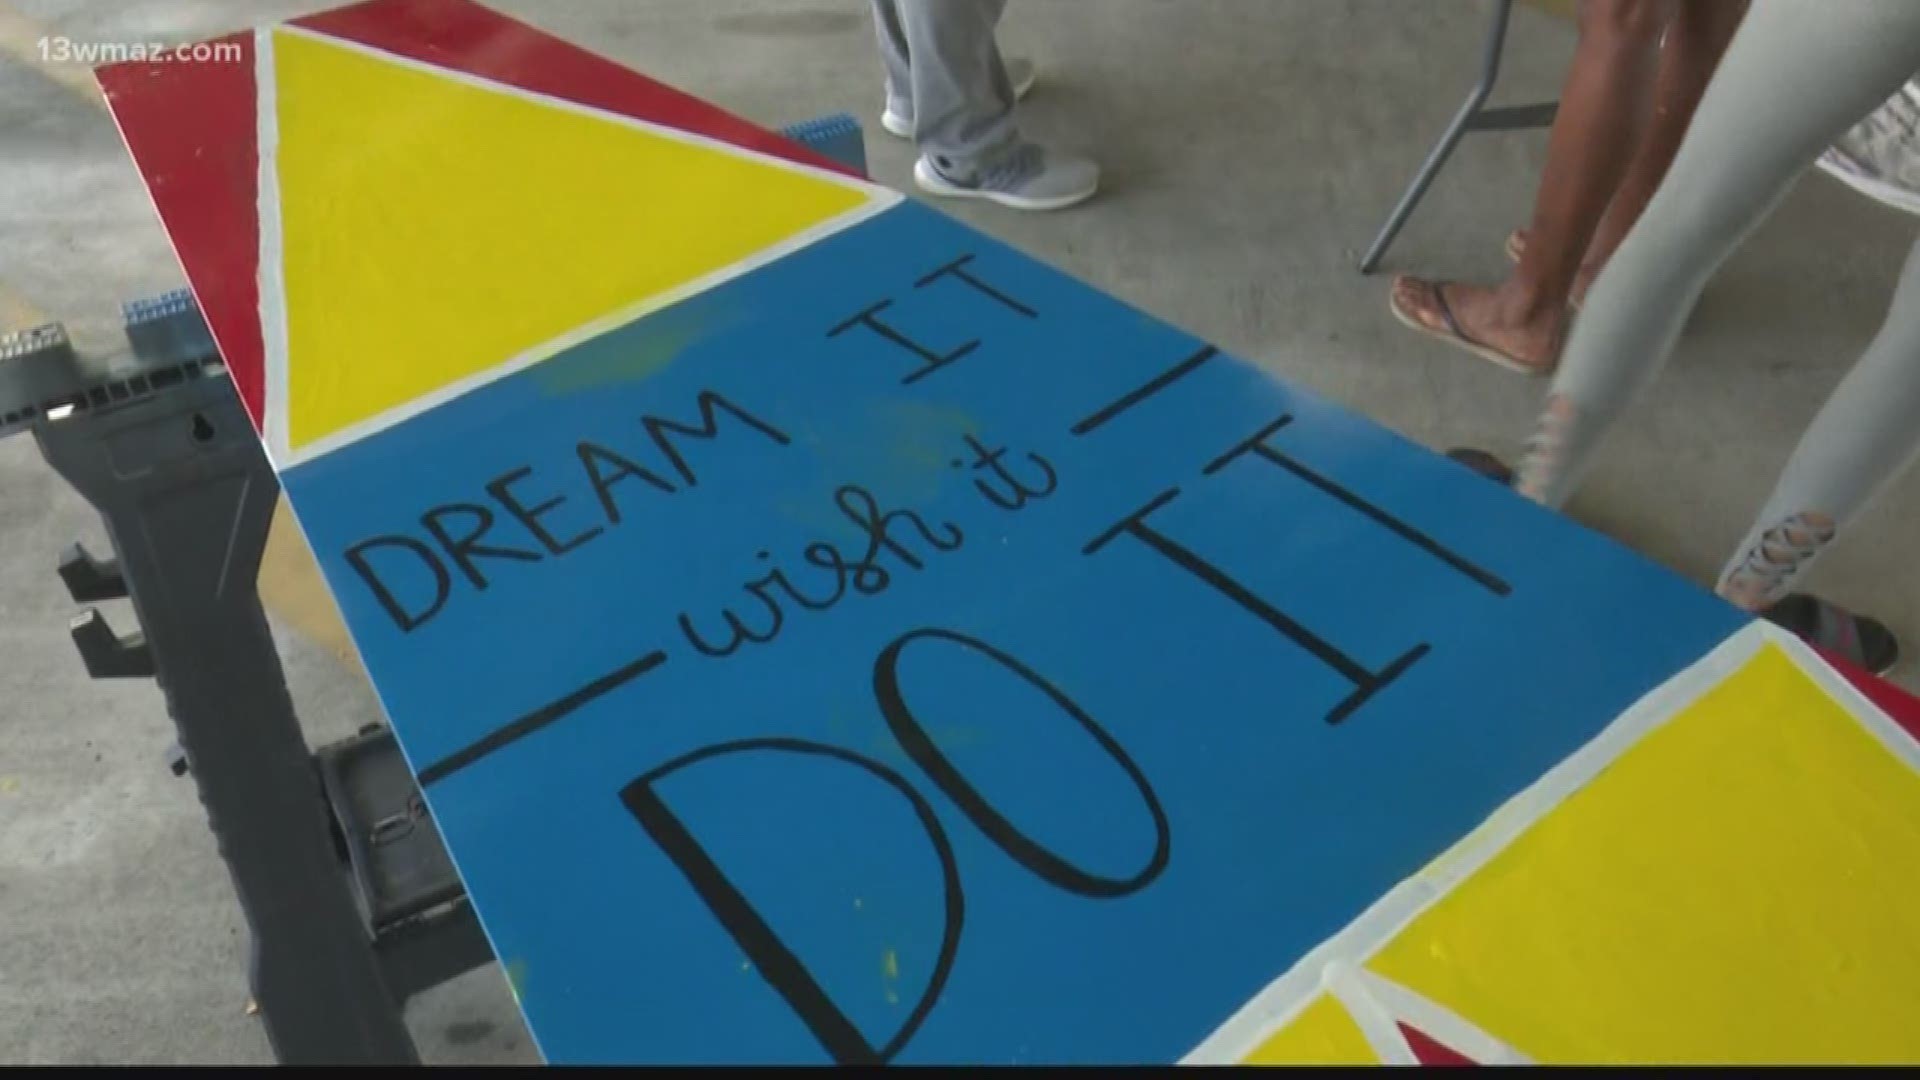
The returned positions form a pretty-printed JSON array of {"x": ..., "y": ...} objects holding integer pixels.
[{"x": 1472, "y": 116}]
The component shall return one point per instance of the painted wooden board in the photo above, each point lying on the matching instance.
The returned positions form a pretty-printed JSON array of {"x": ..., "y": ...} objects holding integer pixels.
[{"x": 824, "y": 633}]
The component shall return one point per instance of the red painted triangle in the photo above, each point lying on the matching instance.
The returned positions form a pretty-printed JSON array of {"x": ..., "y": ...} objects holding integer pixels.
[
  {"x": 1901, "y": 707},
  {"x": 191, "y": 130},
  {"x": 1429, "y": 1051}
]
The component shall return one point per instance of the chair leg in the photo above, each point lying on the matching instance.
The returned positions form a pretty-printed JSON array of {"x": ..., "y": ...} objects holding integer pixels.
[{"x": 1462, "y": 122}]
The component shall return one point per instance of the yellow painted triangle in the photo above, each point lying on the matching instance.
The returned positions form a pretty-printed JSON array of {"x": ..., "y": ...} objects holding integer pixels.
[
  {"x": 1322, "y": 1034},
  {"x": 1738, "y": 886},
  {"x": 433, "y": 228}
]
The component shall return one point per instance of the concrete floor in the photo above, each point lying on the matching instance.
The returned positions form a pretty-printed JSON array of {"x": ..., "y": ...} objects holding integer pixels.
[{"x": 1250, "y": 148}]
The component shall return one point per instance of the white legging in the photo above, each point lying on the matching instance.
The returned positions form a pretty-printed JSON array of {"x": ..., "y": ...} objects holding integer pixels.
[{"x": 1797, "y": 75}]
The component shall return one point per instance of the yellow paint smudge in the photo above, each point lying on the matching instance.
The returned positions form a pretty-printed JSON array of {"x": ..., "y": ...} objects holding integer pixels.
[
  {"x": 516, "y": 977},
  {"x": 654, "y": 345},
  {"x": 9, "y": 785},
  {"x": 890, "y": 972},
  {"x": 17, "y": 312}
]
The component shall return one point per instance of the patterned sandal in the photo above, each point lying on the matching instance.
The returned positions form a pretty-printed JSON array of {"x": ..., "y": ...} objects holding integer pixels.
[
  {"x": 1861, "y": 641},
  {"x": 1484, "y": 463}
]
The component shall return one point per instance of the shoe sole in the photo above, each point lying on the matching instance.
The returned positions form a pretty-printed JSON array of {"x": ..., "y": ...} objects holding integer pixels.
[
  {"x": 932, "y": 183},
  {"x": 902, "y": 128}
]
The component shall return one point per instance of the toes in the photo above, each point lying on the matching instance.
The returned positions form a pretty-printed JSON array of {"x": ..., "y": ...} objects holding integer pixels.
[
  {"x": 1421, "y": 300},
  {"x": 1414, "y": 297}
]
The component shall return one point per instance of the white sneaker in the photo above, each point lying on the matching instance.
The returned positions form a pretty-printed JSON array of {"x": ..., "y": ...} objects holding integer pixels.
[
  {"x": 1030, "y": 177},
  {"x": 897, "y": 118}
]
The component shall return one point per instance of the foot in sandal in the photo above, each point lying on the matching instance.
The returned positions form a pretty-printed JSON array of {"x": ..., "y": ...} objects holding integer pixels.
[
  {"x": 1483, "y": 462},
  {"x": 1861, "y": 641},
  {"x": 1498, "y": 324}
]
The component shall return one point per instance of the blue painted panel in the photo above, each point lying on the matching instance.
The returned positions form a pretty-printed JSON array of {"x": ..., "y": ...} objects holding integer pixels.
[{"x": 1002, "y": 782}]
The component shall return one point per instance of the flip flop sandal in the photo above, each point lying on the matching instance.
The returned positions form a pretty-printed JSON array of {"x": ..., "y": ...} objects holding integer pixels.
[
  {"x": 1484, "y": 463},
  {"x": 1453, "y": 335},
  {"x": 1864, "y": 642}
]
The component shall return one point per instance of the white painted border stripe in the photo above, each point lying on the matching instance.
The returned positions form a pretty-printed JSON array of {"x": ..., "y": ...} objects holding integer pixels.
[
  {"x": 1437, "y": 1021},
  {"x": 1286, "y": 996},
  {"x": 1376, "y": 1024},
  {"x": 1871, "y": 716},
  {"x": 272, "y": 272}
]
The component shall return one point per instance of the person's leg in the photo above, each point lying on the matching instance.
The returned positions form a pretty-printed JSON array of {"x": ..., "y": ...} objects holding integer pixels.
[
  {"x": 896, "y": 117},
  {"x": 1798, "y": 73},
  {"x": 1865, "y": 434},
  {"x": 962, "y": 100},
  {"x": 963, "y": 120},
  {"x": 964, "y": 114},
  {"x": 1695, "y": 41},
  {"x": 895, "y": 57},
  {"x": 1603, "y": 108}
]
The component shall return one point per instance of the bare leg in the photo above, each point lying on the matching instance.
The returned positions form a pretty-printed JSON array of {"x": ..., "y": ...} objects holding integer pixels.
[
  {"x": 1603, "y": 110},
  {"x": 1693, "y": 46}
]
